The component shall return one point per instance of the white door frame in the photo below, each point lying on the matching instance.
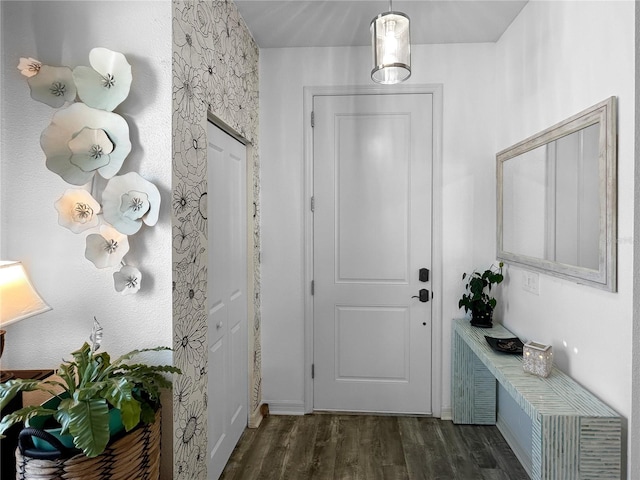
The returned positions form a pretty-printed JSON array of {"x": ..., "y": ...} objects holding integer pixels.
[{"x": 436, "y": 248}]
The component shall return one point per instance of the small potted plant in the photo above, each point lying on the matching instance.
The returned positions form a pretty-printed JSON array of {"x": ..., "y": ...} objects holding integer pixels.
[
  {"x": 476, "y": 298},
  {"x": 96, "y": 398}
]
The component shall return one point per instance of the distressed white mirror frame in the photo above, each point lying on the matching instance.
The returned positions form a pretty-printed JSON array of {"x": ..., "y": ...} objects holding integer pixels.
[{"x": 604, "y": 277}]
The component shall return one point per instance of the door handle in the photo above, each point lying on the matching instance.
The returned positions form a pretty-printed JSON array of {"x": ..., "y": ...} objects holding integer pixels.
[{"x": 423, "y": 295}]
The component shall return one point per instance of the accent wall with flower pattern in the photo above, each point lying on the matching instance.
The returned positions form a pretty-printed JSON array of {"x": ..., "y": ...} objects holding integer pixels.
[{"x": 215, "y": 68}]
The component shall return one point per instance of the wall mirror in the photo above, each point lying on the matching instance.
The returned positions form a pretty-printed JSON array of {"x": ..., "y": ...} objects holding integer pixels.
[{"x": 557, "y": 199}]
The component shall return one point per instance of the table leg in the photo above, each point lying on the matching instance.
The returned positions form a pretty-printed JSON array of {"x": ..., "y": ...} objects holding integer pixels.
[{"x": 473, "y": 388}]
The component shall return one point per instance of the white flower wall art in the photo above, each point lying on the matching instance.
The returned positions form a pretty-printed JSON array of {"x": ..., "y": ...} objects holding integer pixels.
[
  {"x": 52, "y": 85},
  {"x": 107, "y": 82},
  {"x": 81, "y": 141},
  {"x": 86, "y": 137},
  {"x": 107, "y": 248},
  {"x": 29, "y": 66},
  {"x": 127, "y": 280},
  {"x": 129, "y": 200},
  {"x": 77, "y": 210}
]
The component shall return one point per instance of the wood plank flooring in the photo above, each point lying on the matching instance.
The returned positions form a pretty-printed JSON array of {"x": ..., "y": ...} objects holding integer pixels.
[{"x": 359, "y": 447}]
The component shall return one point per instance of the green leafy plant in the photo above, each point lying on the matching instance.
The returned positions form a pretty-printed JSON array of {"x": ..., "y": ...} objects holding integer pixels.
[
  {"x": 91, "y": 385},
  {"x": 476, "y": 298}
]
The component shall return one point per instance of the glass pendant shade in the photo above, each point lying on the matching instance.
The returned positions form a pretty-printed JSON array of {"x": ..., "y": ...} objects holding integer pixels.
[{"x": 391, "y": 42}]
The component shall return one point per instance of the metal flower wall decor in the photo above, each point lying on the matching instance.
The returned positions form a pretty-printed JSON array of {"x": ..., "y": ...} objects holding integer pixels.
[
  {"x": 85, "y": 137},
  {"x": 81, "y": 141}
]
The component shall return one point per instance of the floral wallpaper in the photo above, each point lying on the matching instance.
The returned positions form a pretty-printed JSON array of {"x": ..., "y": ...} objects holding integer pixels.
[{"x": 215, "y": 68}]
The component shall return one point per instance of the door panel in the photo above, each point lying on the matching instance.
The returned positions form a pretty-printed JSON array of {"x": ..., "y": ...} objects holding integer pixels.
[
  {"x": 372, "y": 234},
  {"x": 372, "y": 218},
  {"x": 358, "y": 356},
  {"x": 217, "y": 423},
  {"x": 226, "y": 297}
]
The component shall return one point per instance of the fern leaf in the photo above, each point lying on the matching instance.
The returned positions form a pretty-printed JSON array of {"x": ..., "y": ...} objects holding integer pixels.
[
  {"x": 23, "y": 414},
  {"x": 11, "y": 388},
  {"x": 133, "y": 353},
  {"x": 89, "y": 425}
]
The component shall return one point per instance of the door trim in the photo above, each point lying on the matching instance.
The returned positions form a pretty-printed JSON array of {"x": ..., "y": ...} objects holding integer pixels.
[
  {"x": 436, "y": 247},
  {"x": 222, "y": 125}
]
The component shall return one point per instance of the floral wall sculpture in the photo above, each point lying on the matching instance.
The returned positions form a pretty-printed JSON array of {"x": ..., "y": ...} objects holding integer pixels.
[
  {"x": 84, "y": 139},
  {"x": 215, "y": 69}
]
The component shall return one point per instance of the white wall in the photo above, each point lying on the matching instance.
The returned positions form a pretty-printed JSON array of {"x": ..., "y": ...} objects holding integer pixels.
[
  {"x": 556, "y": 59},
  {"x": 63, "y": 33},
  {"x": 634, "y": 427},
  {"x": 467, "y": 73}
]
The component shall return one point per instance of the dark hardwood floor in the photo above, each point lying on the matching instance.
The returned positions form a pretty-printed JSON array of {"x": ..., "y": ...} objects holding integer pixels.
[{"x": 355, "y": 447}]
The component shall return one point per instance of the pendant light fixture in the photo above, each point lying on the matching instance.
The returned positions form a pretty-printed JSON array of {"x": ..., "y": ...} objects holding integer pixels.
[{"x": 391, "y": 43}]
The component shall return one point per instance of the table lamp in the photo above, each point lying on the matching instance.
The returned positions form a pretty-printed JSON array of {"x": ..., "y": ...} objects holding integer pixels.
[{"x": 18, "y": 297}]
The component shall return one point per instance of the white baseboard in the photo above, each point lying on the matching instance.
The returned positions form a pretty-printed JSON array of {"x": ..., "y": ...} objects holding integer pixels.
[
  {"x": 285, "y": 407},
  {"x": 289, "y": 407},
  {"x": 523, "y": 456}
]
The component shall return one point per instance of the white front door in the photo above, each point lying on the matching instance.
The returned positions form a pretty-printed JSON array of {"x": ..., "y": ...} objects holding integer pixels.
[
  {"x": 226, "y": 296},
  {"x": 372, "y": 234}
]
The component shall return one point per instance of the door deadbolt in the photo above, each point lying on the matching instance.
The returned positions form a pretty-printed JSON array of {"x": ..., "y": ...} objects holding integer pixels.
[{"x": 423, "y": 274}]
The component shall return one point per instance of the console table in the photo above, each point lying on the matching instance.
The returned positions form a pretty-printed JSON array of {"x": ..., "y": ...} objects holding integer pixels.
[
  {"x": 10, "y": 442},
  {"x": 574, "y": 435}
]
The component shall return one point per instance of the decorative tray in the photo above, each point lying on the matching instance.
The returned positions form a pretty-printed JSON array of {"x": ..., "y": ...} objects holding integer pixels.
[{"x": 505, "y": 345}]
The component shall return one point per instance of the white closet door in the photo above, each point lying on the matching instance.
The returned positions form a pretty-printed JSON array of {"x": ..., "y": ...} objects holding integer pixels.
[{"x": 226, "y": 296}]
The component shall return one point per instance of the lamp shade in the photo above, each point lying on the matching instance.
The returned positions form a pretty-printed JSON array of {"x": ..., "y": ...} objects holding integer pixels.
[
  {"x": 18, "y": 297},
  {"x": 391, "y": 43}
]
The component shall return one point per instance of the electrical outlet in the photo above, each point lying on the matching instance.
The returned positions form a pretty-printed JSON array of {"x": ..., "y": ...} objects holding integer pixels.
[{"x": 530, "y": 282}]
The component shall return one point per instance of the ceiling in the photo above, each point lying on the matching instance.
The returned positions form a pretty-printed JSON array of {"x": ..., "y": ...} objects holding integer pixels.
[{"x": 333, "y": 23}]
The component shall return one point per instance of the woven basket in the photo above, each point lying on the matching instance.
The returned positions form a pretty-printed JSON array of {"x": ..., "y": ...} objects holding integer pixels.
[{"x": 136, "y": 455}]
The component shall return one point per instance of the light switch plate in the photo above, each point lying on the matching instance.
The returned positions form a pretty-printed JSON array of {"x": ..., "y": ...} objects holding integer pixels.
[{"x": 531, "y": 282}]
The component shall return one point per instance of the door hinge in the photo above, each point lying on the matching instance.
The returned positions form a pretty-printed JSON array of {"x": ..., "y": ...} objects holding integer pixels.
[
  {"x": 313, "y": 370},
  {"x": 313, "y": 119},
  {"x": 313, "y": 204},
  {"x": 313, "y": 287}
]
